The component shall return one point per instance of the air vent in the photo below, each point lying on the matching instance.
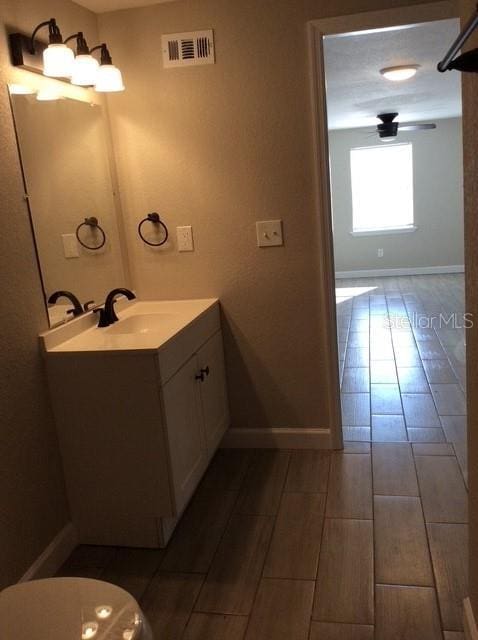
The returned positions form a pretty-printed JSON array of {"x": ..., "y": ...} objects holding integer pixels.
[{"x": 186, "y": 49}]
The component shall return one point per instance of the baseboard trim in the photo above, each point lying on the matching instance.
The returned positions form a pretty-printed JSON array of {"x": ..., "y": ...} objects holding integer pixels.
[
  {"x": 405, "y": 271},
  {"x": 471, "y": 630},
  {"x": 55, "y": 554},
  {"x": 277, "y": 439}
]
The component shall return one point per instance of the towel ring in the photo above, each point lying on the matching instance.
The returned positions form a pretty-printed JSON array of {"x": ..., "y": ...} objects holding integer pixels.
[
  {"x": 91, "y": 222},
  {"x": 155, "y": 219}
]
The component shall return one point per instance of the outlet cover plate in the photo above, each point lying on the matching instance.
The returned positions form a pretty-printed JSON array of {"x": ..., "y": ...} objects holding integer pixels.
[
  {"x": 185, "y": 238},
  {"x": 269, "y": 233},
  {"x": 71, "y": 248}
]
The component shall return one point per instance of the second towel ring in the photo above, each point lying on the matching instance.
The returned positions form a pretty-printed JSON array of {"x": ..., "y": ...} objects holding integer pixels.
[
  {"x": 155, "y": 219},
  {"x": 91, "y": 222}
]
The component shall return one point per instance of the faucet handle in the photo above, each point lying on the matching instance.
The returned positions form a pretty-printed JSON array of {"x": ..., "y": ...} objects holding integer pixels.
[
  {"x": 103, "y": 321},
  {"x": 88, "y": 305}
]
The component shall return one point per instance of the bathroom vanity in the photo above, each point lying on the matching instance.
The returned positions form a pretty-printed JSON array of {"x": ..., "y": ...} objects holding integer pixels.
[{"x": 140, "y": 407}]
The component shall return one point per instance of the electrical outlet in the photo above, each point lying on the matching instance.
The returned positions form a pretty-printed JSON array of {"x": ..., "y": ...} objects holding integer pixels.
[
  {"x": 380, "y": 253},
  {"x": 185, "y": 238}
]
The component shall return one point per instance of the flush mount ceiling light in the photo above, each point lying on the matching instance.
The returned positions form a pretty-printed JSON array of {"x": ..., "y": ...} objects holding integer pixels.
[
  {"x": 85, "y": 67},
  {"x": 400, "y": 73},
  {"x": 108, "y": 78}
]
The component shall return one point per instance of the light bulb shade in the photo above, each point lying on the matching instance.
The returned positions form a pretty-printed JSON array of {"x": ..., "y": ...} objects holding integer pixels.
[
  {"x": 58, "y": 61},
  {"x": 85, "y": 70},
  {"x": 109, "y": 79}
]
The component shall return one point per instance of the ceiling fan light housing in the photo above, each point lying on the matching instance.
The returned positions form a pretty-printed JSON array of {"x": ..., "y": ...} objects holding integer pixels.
[
  {"x": 387, "y": 130},
  {"x": 400, "y": 73}
]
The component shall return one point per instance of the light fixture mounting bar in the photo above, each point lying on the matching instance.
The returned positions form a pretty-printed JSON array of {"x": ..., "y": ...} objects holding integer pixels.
[{"x": 22, "y": 55}]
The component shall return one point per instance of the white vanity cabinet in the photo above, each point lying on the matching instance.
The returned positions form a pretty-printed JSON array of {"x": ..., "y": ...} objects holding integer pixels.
[
  {"x": 195, "y": 416},
  {"x": 137, "y": 430}
]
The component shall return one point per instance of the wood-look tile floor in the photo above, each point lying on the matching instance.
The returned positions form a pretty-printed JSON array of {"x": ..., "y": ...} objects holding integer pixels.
[
  {"x": 402, "y": 362},
  {"x": 366, "y": 543}
]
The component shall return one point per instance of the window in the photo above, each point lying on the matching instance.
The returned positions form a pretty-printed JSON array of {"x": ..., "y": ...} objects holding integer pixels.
[{"x": 382, "y": 188}]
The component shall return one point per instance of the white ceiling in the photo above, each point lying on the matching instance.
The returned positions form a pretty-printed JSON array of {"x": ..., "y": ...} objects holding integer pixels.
[
  {"x": 100, "y": 6},
  {"x": 356, "y": 91}
]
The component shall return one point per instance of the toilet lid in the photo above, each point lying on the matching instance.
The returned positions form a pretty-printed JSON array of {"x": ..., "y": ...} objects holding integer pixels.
[{"x": 68, "y": 609}]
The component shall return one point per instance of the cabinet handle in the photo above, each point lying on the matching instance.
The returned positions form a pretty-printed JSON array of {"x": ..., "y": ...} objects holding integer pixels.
[{"x": 203, "y": 373}]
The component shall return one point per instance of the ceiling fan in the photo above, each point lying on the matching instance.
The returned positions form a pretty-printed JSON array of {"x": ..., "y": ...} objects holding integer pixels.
[{"x": 388, "y": 128}]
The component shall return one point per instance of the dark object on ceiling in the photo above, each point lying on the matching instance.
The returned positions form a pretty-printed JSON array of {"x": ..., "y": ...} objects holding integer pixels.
[{"x": 389, "y": 128}]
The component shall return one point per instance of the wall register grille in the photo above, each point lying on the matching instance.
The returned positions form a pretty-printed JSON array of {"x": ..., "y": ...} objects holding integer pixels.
[{"x": 188, "y": 49}]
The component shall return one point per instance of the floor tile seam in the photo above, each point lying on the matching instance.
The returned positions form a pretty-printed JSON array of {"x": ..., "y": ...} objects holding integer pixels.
[
  {"x": 430, "y": 555},
  {"x": 374, "y": 547},
  {"x": 268, "y": 546},
  {"x": 221, "y": 538},
  {"x": 451, "y": 364},
  {"x": 322, "y": 532}
]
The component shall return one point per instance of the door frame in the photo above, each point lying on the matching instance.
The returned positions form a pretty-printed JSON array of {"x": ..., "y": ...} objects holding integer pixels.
[{"x": 316, "y": 31}]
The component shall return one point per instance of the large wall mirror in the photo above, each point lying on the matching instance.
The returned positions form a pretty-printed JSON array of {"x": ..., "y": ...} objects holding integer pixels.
[{"x": 65, "y": 154}]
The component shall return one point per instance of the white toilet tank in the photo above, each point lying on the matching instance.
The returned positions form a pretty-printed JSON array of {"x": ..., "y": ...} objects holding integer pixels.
[{"x": 70, "y": 609}]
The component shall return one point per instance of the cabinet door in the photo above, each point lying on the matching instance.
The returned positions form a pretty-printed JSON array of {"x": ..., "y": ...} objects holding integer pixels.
[
  {"x": 182, "y": 410},
  {"x": 213, "y": 390}
]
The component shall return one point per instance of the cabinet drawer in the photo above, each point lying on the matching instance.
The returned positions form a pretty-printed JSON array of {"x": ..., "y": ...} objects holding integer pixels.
[{"x": 177, "y": 351}]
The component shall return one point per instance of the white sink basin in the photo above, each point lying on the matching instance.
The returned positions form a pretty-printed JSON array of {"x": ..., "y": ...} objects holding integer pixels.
[
  {"x": 141, "y": 326},
  {"x": 145, "y": 323}
]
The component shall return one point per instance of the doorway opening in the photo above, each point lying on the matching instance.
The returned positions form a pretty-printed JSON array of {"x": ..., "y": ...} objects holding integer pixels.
[
  {"x": 393, "y": 205},
  {"x": 389, "y": 167},
  {"x": 397, "y": 214}
]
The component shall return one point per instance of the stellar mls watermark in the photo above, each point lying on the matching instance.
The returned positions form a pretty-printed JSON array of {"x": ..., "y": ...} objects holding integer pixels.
[{"x": 424, "y": 321}]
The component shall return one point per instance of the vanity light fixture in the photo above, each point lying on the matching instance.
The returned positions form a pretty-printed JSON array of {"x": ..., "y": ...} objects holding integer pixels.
[
  {"x": 85, "y": 67},
  {"x": 400, "y": 73},
  {"x": 57, "y": 57},
  {"x": 59, "y": 60},
  {"x": 108, "y": 78}
]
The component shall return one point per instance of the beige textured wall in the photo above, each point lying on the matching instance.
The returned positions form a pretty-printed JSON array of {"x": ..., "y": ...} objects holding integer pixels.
[
  {"x": 437, "y": 199},
  {"x": 33, "y": 506},
  {"x": 219, "y": 147}
]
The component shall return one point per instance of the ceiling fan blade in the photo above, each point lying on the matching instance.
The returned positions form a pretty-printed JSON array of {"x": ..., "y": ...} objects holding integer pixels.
[{"x": 416, "y": 127}]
